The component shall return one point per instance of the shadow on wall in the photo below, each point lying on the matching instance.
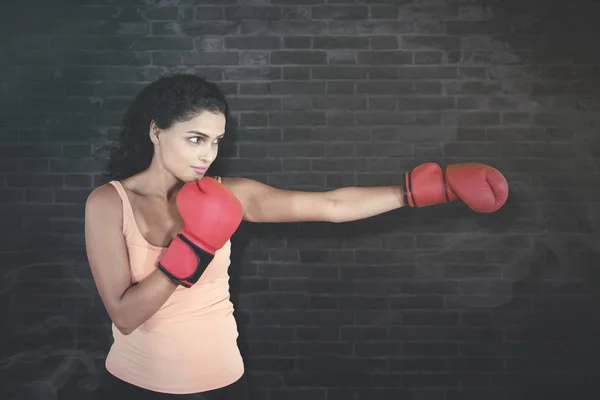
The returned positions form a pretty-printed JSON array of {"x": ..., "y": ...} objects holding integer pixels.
[{"x": 553, "y": 351}]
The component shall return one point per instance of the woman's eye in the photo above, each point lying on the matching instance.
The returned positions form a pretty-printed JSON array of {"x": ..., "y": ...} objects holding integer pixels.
[{"x": 198, "y": 140}]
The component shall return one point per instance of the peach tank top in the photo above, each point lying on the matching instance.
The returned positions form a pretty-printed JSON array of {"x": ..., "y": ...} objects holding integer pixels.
[{"x": 190, "y": 344}]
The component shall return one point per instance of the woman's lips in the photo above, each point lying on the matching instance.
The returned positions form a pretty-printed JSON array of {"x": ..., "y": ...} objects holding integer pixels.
[{"x": 199, "y": 170}]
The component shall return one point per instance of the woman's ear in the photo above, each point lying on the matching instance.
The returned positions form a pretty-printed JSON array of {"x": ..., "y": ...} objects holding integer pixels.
[{"x": 154, "y": 133}]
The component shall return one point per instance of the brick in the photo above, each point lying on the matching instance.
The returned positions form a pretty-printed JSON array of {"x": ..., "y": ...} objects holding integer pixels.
[
  {"x": 383, "y": 118},
  {"x": 342, "y": 57},
  {"x": 254, "y": 88},
  {"x": 376, "y": 349},
  {"x": 431, "y": 380},
  {"x": 419, "y": 287},
  {"x": 296, "y": 118},
  {"x": 431, "y": 42},
  {"x": 296, "y": 103},
  {"x": 164, "y": 43},
  {"x": 78, "y": 181},
  {"x": 378, "y": 88},
  {"x": 338, "y": 103},
  {"x": 30, "y": 151},
  {"x": 384, "y": 42},
  {"x": 472, "y": 150},
  {"x": 335, "y": 73},
  {"x": 71, "y": 196},
  {"x": 416, "y": 302},
  {"x": 478, "y": 118},
  {"x": 210, "y": 58},
  {"x": 195, "y": 29},
  {"x": 277, "y": 301},
  {"x": 324, "y": 363},
  {"x": 427, "y": 73},
  {"x": 340, "y": 42},
  {"x": 473, "y": 103},
  {"x": 315, "y": 333},
  {"x": 291, "y": 150},
  {"x": 327, "y": 379},
  {"x": 296, "y": 28},
  {"x": 298, "y": 57},
  {"x": 427, "y": 58},
  {"x": 298, "y": 88},
  {"x": 323, "y": 303},
  {"x": 427, "y": 88},
  {"x": 40, "y": 181},
  {"x": 340, "y": 87},
  {"x": 385, "y": 11},
  {"x": 362, "y": 333},
  {"x": 475, "y": 27},
  {"x": 297, "y": 394},
  {"x": 251, "y": 73},
  {"x": 426, "y": 104},
  {"x": 382, "y": 57},
  {"x": 263, "y": 13},
  {"x": 254, "y": 119},
  {"x": 295, "y": 42},
  {"x": 430, "y": 349},
  {"x": 162, "y": 13},
  {"x": 384, "y": 150},
  {"x": 300, "y": 348},
  {"x": 380, "y": 393},
  {"x": 295, "y": 13},
  {"x": 295, "y": 73},
  {"x": 358, "y": 27},
  {"x": 339, "y": 12},
  {"x": 388, "y": 103},
  {"x": 13, "y": 195},
  {"x": 243, "y": 42},
  {"x": 35, "y": 302}
]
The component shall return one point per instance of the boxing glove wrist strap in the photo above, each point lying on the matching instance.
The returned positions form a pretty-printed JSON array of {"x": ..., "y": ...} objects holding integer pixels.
[
  {"x": 202, "y": 260},
  {"x": 425, "y": 192}
]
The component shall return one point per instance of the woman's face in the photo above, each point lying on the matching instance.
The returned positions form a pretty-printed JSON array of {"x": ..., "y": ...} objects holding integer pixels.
[{"x": 189, "y": 148}]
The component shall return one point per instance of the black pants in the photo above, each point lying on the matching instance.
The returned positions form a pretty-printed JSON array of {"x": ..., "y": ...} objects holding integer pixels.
[{"x": 116, "y": 389}]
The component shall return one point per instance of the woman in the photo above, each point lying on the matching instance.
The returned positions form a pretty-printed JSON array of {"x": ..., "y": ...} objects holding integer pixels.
[{"x": 177, "y": 338}]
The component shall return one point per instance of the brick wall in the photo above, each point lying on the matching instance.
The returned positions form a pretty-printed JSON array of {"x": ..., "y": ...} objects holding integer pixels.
[{"x": 425, "y": 304}]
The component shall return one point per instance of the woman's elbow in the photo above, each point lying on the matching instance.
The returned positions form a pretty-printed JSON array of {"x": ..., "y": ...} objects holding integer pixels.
[
  {"x": 123, "y": 326},
  {"x": 124, "y": 330}
]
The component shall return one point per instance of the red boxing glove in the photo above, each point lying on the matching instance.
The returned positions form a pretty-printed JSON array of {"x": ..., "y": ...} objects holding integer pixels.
[
  {"x": 211, "y": 214},
  {"x": 483, "y": 188}
]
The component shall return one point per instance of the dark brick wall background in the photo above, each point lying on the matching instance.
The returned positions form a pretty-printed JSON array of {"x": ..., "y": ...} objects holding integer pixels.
[{"x": 431, "y": 304}]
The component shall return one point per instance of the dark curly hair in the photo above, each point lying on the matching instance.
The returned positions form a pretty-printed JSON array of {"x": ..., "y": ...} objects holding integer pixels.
[{"x": 170, "y": 99}]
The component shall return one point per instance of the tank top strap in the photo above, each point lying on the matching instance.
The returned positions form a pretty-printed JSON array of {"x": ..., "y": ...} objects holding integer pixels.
[{"x": 128, "y": 217}]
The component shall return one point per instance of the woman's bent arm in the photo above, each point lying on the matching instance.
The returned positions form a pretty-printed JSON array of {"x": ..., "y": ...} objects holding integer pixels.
[
  {"x": 143, "y": 300},
  {"x": 128, "y": 306}
]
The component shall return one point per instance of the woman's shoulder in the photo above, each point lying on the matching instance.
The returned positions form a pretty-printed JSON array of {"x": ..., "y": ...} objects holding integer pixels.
[
  {"x": 104, "y": 197},
  {"x": 240, "y": 187}
]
